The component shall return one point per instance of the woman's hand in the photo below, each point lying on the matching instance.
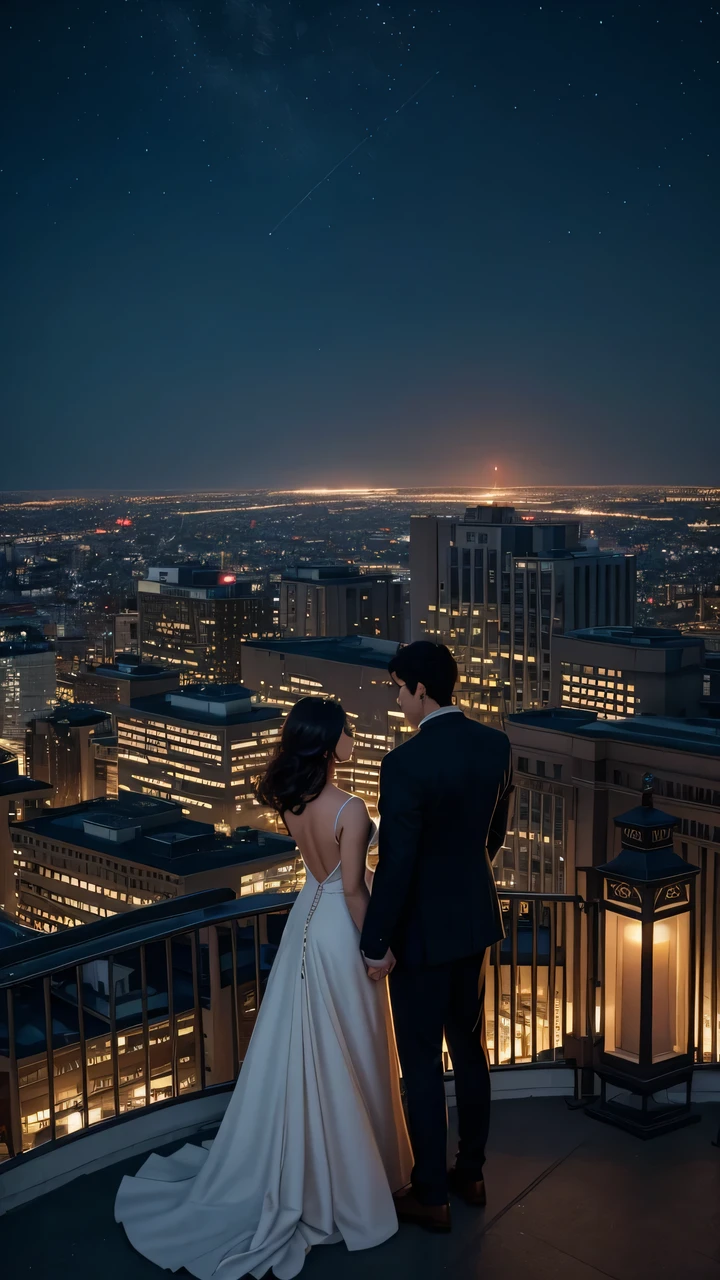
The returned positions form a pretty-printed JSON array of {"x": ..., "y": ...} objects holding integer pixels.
[{"x": 379, "y": 969}]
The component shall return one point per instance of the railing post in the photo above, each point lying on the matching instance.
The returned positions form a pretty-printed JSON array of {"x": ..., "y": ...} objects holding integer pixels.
[
  {"x": 145, "y": 1023},
  {"x": 171, "y": 1020},
  {"x": 83, "y": 1046},
  {"x": 15, "y": 1135},
  {"x": 115, "y": 1066},
  {"x": 47, "y": 1003},
  {"x": 197, "y": 1002}
]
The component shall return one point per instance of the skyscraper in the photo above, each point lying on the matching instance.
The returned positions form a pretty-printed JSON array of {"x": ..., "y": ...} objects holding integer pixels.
[
  {"x": 27, "y": 680},
  {"x": 193, "y": 620},
  {"x": 336, "y": 600},
  {"x": 497, "y": 587}
]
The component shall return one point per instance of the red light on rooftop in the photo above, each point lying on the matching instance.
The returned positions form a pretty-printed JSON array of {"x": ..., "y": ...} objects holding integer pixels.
[
  {"x": 124, "y": 522},
  {"x": 227, "y": 578}
]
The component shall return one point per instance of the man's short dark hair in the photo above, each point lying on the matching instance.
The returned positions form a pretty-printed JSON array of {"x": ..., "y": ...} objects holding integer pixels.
[{"x": 433, "y": 665}]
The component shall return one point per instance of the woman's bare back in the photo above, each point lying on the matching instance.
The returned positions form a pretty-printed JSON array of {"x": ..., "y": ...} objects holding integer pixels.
[{"x": 317, "y": 830}]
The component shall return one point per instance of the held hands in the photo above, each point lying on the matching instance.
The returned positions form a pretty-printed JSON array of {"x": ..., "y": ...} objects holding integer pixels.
[{"x": 377, "y": 970}]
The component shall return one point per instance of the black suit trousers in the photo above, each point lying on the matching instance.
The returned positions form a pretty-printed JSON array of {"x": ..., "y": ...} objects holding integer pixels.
[{"x": 428, "y": 1000}]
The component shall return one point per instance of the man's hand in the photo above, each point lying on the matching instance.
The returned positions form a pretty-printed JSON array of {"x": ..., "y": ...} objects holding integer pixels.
[{"x": 379, "y": 969}]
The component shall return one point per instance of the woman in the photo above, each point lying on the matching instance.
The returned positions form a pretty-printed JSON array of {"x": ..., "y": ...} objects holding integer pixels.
[{"x": 313, "y": 1142}]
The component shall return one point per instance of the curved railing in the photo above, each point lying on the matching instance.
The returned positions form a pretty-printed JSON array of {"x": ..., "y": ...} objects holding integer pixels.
[{"x": 157, "y": 1005}]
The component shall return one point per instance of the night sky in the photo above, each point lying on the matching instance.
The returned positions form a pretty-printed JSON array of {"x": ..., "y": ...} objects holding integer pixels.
[{"x": 518, "y": 268}]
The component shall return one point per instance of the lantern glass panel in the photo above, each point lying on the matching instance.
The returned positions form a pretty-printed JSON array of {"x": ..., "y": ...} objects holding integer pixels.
[
  {"x": 623, "y": 951},
  {"x": 671, "y": 987}
]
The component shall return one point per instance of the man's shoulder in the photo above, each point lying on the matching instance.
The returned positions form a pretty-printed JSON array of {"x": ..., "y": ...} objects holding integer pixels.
[
  {"x": 496, "y": 738},
  {"x": 402, "y": 753}
]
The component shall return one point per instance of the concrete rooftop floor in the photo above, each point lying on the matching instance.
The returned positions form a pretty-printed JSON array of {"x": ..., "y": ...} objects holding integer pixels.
[{"x": 568, "y": 1199}]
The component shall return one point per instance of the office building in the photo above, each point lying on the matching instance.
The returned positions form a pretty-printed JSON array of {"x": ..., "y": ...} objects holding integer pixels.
[
  {"x": 352, "y": 669},
  {"x": 117, "y": 683},
  {"x": 19, "y": 795},
  {"x": 337, "y": 600},
  {"x": 202, "y": 745},
  {"x": 628, "y": 671},
  {"x": 126, "y": 632},
  {"x": 497, "y": 588},
  {"x": 60, "y": 751},
  {"x": 193, "y": 621},
  {"x": 108, "y": 856},
  {"x": 27, "y": 680},
  {"x": 574, "y": 773}
]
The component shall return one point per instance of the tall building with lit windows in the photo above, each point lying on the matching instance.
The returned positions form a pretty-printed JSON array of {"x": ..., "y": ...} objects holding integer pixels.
[
  {"x": 28, "y": 681},
  {"x": 193, "y": 620},
  {"x": 352, "y": 669},
  {"x": 629, "y": 671},
  {"x": 575, "y": 773},
  {"x": 337, "y": 600},
  {"x": 105, "y": 857},
  {"x": 202, "y": 746},
  {"x": 498, "y": 588}
]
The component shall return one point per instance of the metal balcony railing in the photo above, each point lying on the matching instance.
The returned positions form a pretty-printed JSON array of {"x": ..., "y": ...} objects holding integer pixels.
[{"x": 158, "y": 1004}]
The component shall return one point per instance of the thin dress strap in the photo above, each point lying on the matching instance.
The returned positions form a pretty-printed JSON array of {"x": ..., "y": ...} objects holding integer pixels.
[{"x": 337, "y": 816}]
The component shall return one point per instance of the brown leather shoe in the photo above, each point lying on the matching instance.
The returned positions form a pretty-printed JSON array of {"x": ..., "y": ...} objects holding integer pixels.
[
  {"x": 471, "y": 1190},
  {"x": 433, "y": 1217}
]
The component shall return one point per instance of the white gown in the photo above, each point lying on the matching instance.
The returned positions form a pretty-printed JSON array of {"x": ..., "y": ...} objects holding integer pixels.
[{"x": 313, "y": 1142}]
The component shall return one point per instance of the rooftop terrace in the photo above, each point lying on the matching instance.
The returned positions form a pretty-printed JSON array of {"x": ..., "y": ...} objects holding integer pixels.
[{"x": 568, "y": 1199}]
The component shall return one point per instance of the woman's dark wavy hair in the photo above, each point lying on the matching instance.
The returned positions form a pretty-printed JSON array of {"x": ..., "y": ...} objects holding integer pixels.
[{"x": 298, "y": 771}]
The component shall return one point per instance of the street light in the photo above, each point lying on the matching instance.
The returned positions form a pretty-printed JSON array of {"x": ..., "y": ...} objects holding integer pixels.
[{"x": 647, "y": 1042}]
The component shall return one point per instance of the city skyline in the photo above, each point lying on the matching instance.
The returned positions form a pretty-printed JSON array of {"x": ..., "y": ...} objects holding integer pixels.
[{"x": 493, "y": 244}]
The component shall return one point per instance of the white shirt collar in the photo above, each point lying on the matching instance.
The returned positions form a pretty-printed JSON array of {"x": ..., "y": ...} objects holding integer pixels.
[{"x": 441, "y": 711}]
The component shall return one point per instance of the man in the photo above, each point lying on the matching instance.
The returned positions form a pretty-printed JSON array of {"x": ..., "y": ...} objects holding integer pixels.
[{"x": 434, "y": 911}]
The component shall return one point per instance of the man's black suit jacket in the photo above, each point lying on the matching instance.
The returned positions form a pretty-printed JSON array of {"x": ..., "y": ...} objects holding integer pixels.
[{"x": 444, "y": 797}]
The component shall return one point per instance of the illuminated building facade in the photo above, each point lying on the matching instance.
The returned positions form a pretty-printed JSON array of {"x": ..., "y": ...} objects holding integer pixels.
[
  {"x": 60, "y": 751},
  {"x": 497, "y": 589},
  {"x": 108, "y": 856},
  {"x": 27, "y": 681},
  {"x": 194, "y": 620},
  {"x": 201, "y": 746},
  {"x": 628, "y": 671},
  {"x": 352, "y": 669},
  {"x": 595, "y": 769},
  {"x": 336, "y": 600}
]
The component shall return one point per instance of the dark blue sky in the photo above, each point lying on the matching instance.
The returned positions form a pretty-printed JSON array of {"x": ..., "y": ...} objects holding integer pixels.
[{"x": 519, "y": 269}]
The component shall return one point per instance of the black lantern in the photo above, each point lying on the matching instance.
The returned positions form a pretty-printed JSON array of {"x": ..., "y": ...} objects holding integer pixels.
[{"x": 647, "y": 1042}]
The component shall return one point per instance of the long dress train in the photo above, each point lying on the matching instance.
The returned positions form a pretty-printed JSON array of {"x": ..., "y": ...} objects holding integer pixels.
[{"x": 313, "y": 1142}]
